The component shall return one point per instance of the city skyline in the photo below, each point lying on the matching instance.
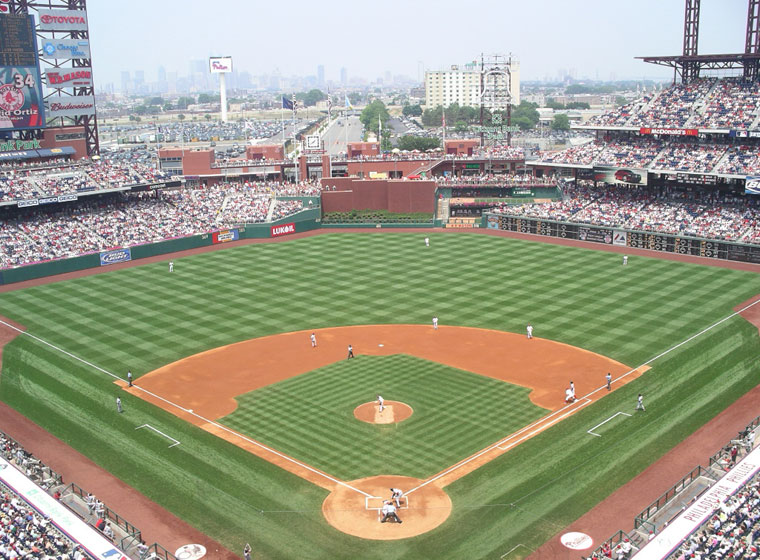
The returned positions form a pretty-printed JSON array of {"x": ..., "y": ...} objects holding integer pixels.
[{"x": 594, "y": 39}]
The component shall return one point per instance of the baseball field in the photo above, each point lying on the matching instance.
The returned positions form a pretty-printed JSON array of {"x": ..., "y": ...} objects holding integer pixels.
[{"x": 266, "y": 424}]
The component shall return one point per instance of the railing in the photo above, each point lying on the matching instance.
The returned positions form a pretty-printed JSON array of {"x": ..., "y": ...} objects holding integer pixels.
[
  {"x": 109, "y": 514},
  {"x": 739, "y": 439},
  {"x": 10, "y": 456},
  {"x": 610, "y": 543},
  {"x": 657, "y": 505},
  {"x": 156, "y": 551}
]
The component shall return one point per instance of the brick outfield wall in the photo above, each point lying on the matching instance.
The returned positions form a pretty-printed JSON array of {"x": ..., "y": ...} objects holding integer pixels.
[{"x": 394, "y": 195}]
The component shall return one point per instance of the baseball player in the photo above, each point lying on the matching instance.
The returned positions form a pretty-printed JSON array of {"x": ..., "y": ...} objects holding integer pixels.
[
  {"x": 569, "y": 397},
  {"x": 572, "y": 389},
  {"x": 640, "y": 403},
  {"x": 529, "y": 329},
  {"x": 427, "y": 242},
  {"x": 171, "y": 266},
  {"x": 608, "y": 377},
  {"x": 625, "y": 260},
  {"x": 350, "y": 352},
  {"x": 435, "y": 322},
  {"x": 381, "y": 403},
  {"x": 396, "y": 495},
  {"x": 118, "y": 405},
  {"x": 313, "y": 340},
  {"x": 247, "y": 552},
  {"x": 129, "y": 377}
]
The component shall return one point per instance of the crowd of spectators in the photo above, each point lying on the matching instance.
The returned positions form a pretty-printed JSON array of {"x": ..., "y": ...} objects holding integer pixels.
[
  {"x": 621, "y": 115},
  {"x": 740, "y": 160},
  {"x": 674, "y": 106},
  {"x": 689, "y": 157},
  {"x": 24, "y": 183},
  {"x": 707, "y": 214},
  {"x": 584, "y": 154},
  {"x": 127, "y": 219},
  {"x": 732, "y": 103},
  {"x": 495, "y": 180}
]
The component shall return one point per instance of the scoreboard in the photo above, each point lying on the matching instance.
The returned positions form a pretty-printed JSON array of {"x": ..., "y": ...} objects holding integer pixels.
[
  {"x": 635, "y": 239},
  {"x": 21, "y": 105}
]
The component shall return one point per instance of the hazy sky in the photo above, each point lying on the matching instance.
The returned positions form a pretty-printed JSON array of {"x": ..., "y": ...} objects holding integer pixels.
[{"x": 594, "y": 37}]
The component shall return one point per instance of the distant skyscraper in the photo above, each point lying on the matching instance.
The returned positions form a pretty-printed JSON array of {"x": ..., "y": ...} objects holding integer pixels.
[
  {"x": 125, "y": 82},
  {"x": 321, "y": 75}
]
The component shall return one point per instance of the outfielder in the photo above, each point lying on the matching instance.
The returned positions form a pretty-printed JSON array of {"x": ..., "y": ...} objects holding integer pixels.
[
  {"x": 529, "y": 329},
  {"x": 313, "y": 340},
  {"x": 171, "y": 266},
  {"x": 640, "y": 403},
  {"x": 435, "y": 322}
]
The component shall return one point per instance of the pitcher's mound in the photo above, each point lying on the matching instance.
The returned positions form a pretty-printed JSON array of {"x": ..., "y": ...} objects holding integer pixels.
[
  {"x": 392, "y": 412},
  {"x": 356, "y": 514}
]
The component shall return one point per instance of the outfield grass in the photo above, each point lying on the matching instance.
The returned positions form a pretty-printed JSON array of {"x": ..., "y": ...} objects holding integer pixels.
[
  {"x": 143, "y": 317},
  {"x": 456, "y": 413}
]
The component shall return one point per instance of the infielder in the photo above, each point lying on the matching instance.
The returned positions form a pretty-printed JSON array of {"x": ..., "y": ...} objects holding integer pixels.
[
  {"x": 381, "y": 403},
  {"x": 350, "y": 352},
  {"x": 608, "y": 377},
  {"x": 572, "y": 389},
  {"x": 171, "y": 266},
  {"x": 118, "y": 405},
  {"x": 569, "y": 397},
  {"x": 529, "y": 329},
  {"x": 129, "y": 377},
  {"x": 435, "y": 322},
  {"x": 313, "y": 340}
]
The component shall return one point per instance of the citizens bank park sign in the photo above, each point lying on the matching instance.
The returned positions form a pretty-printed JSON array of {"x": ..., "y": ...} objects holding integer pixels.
[
  {"x": 62, "y": 20},
  {"x": 70, "y": 106},
  {"x": 68, "y": 77}
]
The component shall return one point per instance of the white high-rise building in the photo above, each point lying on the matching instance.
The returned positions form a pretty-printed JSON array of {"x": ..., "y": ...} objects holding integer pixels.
[{"x": 462, "y": 85}]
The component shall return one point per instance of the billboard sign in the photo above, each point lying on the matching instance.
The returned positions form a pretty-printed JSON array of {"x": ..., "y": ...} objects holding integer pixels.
[
  {"x": 65, "y": 48},
  {"x": 284, "y": 229},
  {"x": 620, "y": 176},
  {"x": 63, "y": 20},
  {"x": 670, "y": 131},
  {"x": 21, "y": 104},
  {"x": 752, "y": 185},
  {"x": 69, "y": 77},
  {"x": 620, "y": 237},
  {"x": 116, "y": 256},
  {"x": 220, "y": 64},
  {"x": 225, "y": 236},
  {"x": 70, "y": 106}
]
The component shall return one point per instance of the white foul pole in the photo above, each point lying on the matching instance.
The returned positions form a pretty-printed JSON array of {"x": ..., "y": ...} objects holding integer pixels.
[{"x": 223, "y": 94}]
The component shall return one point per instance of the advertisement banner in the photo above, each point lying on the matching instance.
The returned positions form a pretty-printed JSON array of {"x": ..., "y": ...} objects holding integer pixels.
[
  {"x": 69, "y": 106},
  {"x": 62, "y": 20},
  {"x": 597, "y": 235},
  {"x": 68, "y": 77},
  {"x": 492, "y": 222},
  {"x": 744, "y": 133},
  {"x": 115, "y": 256},
  {"x": 220, "y": 64},
  {"x": 752, "y": 184},
  {"x": 65, "y": 48},
  {"x": 620, "y": 176},
  {"x": 670, "y": 131},
  {"x": 225, "y": 236},
  {"x": 620, "y": 237},
  {"x": 284, "y": 229}
]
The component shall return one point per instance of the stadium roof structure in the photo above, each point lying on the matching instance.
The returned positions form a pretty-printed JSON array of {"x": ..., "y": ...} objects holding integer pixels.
[{"x": 706, "y": 61}]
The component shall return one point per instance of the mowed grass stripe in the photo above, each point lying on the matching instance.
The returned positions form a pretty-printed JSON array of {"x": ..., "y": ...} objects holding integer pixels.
[
  {"x": 577, "y": 296},
  {"x": 311, "y": 416}
]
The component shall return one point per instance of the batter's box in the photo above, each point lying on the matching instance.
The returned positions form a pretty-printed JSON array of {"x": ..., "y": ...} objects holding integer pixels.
[{"x": 376, "y": 503}]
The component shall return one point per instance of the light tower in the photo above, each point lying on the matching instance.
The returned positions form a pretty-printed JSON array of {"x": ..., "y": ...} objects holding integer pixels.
[{"x": 221, "y": 65}]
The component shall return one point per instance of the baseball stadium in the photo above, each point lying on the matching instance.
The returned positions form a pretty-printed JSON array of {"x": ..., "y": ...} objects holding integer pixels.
[{"x": 460, "y": 354}]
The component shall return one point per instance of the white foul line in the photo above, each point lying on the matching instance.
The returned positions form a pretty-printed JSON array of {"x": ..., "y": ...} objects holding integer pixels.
[
  {"x": 176, "y": 442},
  {"x": 188, "y": 411},
  {"x": 591, "y": 431},
  {"x": 626, "y": 374}
]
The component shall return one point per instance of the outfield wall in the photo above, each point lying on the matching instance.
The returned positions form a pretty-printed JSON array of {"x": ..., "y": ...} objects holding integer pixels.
[
  {"x": 684, "y": 245},
  {"x": 303, "y": 221}
]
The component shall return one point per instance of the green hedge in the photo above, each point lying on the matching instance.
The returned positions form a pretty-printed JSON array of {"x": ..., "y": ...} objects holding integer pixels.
[{"x": 376, "y": 216}]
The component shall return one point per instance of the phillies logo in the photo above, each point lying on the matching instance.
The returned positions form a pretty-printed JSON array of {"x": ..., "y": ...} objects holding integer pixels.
[{"x": 11, "y": 99}]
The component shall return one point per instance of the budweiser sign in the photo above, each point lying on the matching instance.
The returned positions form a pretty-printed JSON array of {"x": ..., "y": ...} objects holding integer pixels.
[
  {"x": 69, "y": 77},
  {"x": 63, "y": 20},
  {"x": 76, "y": 106}
]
